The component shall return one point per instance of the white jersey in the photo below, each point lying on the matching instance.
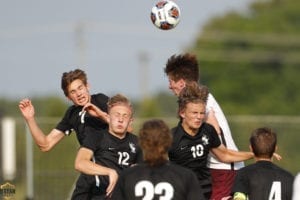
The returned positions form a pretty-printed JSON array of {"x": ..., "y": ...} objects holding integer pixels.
[
  {"x": 213, "y": 163},
  {"x": 296, "y": 192}
]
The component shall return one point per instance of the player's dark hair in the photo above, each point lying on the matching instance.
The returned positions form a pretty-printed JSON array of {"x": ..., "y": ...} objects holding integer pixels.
[
  {"x": 183, "y": 66},
  {"x": 155, "y": 140},
  {"x": 68, "y": 77},
  {"x": 118, "y": 99},
  {"x": 192, "y": 93},
  {"x": 263, "y": 142}
]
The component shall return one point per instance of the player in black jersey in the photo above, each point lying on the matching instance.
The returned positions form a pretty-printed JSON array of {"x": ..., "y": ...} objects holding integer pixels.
[
  {"x": 114, "y": 148},
  {"x": 157, "y": 178},
  {"x": 263, "y": 180},
  {"x": 193, "y": 138},
  {"x": 87, "y": 111},
  {"x": 76, "y": 88}
]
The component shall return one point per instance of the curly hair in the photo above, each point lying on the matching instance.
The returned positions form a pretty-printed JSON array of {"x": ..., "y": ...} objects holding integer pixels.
[{"x": 192, "y": 93}]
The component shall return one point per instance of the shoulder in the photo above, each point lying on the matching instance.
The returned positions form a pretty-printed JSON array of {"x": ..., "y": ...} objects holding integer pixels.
[
  {"x": 131, "y": 136},
  {"x": 208, "y": 129},
  {"x": 99, "y": 96},
  {"x": 100, "y": 100},
  {"x": 71, "y": 109},
  {"x": 284, "y": 172},
  {"x": 207, "y": 126}
]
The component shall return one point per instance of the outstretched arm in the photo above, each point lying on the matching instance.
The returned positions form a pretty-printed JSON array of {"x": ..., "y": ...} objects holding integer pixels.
[
  {"x": 44, "y": 142},
  {"x": 84, "y": 164},
  {"x": 228, "y": 155}
]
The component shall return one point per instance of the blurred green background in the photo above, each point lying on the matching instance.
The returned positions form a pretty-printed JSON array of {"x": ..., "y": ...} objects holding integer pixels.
[{"x": 251, "y": 64}]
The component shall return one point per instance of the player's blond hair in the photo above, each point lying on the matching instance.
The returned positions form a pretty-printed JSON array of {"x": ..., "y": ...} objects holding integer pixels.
[{"x": 118, "y": 99}]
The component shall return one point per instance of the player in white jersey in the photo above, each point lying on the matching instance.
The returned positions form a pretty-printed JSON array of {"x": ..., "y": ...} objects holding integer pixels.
[{"x": 181, "y": 70}]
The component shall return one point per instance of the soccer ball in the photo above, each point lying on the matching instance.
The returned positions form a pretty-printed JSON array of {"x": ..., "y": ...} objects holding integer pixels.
[{"x": 165, "y": 14}]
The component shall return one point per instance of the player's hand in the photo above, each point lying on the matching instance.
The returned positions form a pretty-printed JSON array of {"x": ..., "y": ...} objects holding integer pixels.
[
  {"x": 277, "y": 156},
  {"x": 113, "y": 178},
  {"x": 26, "y": 108},
  {"x": 95, "y": 111}
]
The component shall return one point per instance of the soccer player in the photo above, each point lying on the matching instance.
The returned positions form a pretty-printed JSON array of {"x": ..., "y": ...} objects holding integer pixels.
[
  {"x": 193, "y": 138},
  {"x": 181, "y": 70},
  {"x": 114, "y": 148},
  {"x": 76, "y": 88},
  {"x": 157, "y": 178},
  {"x": 263, "y": 179},
  {"x": 87, "y": 111}
]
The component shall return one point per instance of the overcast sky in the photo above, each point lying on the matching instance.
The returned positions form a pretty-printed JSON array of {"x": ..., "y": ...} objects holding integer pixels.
[{"x": 39, "y": 40}]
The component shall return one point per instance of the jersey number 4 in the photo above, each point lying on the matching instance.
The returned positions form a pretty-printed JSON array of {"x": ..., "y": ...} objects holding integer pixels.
[
  {"x": 147, "y": 190},
  {"x": 275, "y": 193}
]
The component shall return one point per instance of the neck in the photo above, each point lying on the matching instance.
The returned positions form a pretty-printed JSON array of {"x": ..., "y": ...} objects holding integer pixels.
[
  {"x": 118, "y": 135},
  {"x": 189, "y": 130},
  {"x": 263, "y": 159}
]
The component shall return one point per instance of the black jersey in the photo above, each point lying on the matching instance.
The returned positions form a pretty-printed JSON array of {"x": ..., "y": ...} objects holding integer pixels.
[
  {"x": 109, "y": 151},
  {"x": 168, "y": 181},
  {"x": 76, "y": 120},
  {"x": 192, "y": 151},
  {"x": 264, "y": 180}
]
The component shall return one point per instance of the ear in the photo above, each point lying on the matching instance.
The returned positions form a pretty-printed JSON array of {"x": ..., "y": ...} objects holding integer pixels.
[
  {"x": 182, "y": 83},
  {"x": 181, "y": 113}
]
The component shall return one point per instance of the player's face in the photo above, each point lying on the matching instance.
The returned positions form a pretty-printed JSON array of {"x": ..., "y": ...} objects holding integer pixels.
[
  {"x": 192, "y": 117},
  {"x": 120, "y": 116},
  {"x": 176, "y": 86},
  {"x": 78, "y": 93}
]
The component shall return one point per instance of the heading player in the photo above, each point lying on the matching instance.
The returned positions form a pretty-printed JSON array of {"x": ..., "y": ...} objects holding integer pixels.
[{"x": 181, "y": 70}]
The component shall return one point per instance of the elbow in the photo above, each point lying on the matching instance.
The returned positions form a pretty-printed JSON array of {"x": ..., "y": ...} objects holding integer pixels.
[
  {"x": 44, "y": 148},
  {"x": 78, "y": 166}
]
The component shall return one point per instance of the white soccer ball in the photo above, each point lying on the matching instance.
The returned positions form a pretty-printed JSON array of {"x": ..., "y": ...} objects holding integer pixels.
[{"x": 165, "y": 14}]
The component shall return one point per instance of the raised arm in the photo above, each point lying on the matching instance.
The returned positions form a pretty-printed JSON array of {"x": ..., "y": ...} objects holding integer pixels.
[
  {"x": 95, "y": 111},
  {"x": 43, "y": 141}
]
